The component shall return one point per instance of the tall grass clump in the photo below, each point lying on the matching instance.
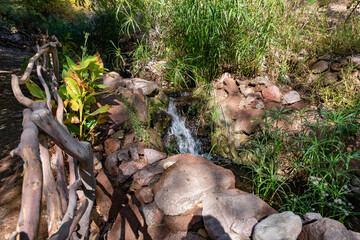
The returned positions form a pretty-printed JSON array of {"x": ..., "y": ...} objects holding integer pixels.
[
  {"x": 306, "y": 170},
  {"x": 217, "y": 34}
]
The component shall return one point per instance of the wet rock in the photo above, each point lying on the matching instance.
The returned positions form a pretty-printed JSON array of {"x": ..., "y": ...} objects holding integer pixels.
[
  {"x": 111, "y": 145},
  {"x": 244, "y": 119},
  {"x": 272, "y": 93},
  {"x": 155, "y": 140},
  {"x": 231, "y": 104},
  {"x": 112, "y": 80},
  {"x": 152, "y": 156},
  {"x": 188, "y": 181},
  {"x": 183, "y": 236},
  {"x": 190, "y": 220},
  {"x": 325, "y": 229},
  {"x": 291, "y": 97},
  {"x": 244, "y": 227},
  {"x": 319, "y": 67},
  {"x": 152, "y": 214},
  {"x": 140, "y": 106},
  {"x": 221, "y": 210},
  {"x": 280, "y": 226},
  {"x": 104, "y": 192}
]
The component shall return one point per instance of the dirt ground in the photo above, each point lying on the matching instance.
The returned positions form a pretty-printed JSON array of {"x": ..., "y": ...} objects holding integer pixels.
[{"x": 11, "y": 169}]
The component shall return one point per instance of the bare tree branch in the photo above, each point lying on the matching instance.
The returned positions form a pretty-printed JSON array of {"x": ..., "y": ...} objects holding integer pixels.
[{"x": 28, "y": 149}]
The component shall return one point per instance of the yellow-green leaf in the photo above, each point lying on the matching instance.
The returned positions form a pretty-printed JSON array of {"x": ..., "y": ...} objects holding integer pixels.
[
  {"x": 35, "y": 90},
  {"x": 74, "y": 105},
  {"x": 101, "y": 109}
]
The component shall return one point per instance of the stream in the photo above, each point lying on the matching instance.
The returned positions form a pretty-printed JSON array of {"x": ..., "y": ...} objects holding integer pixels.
[{"x": 181, "y": 137}]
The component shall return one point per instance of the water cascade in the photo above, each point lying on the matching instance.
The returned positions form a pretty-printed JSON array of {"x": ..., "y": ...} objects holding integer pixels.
[{"x": 185, "y": 142}]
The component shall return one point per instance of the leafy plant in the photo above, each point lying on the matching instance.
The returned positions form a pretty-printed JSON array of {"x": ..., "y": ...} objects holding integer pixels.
[{"x": 79, "y": 91}]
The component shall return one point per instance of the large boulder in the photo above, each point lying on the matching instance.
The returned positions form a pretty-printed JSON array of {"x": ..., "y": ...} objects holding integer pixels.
[
  {"x": 326, "y": 229},
  {"x": 221, "y": 210},
  {"x": 148, "y": 88},
  {"x": 281, "y": 226},
  {"x": 188, "y": 182},
  {"x": 112, "y": 80}
]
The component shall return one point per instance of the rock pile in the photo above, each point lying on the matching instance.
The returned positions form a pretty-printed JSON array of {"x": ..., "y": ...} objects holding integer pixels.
[{"x": 189, "y": 197}]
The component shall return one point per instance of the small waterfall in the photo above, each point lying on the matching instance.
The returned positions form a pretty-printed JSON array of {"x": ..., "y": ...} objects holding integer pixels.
[{"x": 185, "y": 142}]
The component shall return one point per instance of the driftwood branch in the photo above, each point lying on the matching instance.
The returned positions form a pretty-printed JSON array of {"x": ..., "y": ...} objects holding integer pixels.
[
  {"x": 27, "y": 102},
  {"x": 64, "y": 230},
  {"x": 28, "y": 150},
  {"x": 80, "y": 150},
  {"x": 53, "y": 204}
]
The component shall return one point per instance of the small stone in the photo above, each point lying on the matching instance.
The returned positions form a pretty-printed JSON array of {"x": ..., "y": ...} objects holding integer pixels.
[
  {"x": 152, "y": 214},
  {"x": 325, "y": 57},
  {"x": 336, "y": 67},
  {"x": 111, "y": 164},
  {"x": 129, "y": 168},
  {"x": 118, "y": 135},
  {"x": 258, "y": 104},
  {"x": 252, "y": 97},
  {"x": 303, "y": 52},
  {"x": 246, "y": 90},
  {"x": 312, "y": 216},
  {"x": 146, "y": 194},
  {"x": 97, "y": 158},
  {"x": 280, "y": 226},
  {"x": 319, "y": 67},
  {"x": 291, "y": 97},
  {"x": 244, "y": 227},
  {"x": 243, "y": 122},
  {"x": 272, "y": 94},
  {"x": 331, "y": 78},
  {"x": 111, "y": 145},
  {"x": 152, "y": 155},
  {"x": 263, "y": 80},
  {"x": 259, "y": 88},
  {"x": 355, "y": 60}
]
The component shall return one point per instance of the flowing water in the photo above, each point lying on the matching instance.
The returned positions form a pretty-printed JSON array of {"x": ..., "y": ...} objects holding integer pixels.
[{"x": 185, "y": 141}]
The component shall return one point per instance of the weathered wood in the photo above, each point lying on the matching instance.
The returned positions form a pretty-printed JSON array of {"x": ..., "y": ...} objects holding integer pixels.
[
  {"x": 45, "y": 86},
  {"x": 53, "y": 203},
  {"x": 28, "y": 149},
  {"x": 80, "y": 150},
  {"x": 64, "y": 230},
  {"x": 20, "y": 96},
  {"x": 46, "y": 122}
]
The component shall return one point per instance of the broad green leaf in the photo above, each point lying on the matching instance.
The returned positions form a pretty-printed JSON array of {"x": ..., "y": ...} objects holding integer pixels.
[
  {"x": 35, "y": 90},
  {"x": 72, "y": 64},
  {"x": 101, "y": 109}
]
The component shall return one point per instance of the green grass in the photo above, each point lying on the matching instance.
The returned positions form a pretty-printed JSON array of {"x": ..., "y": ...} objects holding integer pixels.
[{"x": 307, "y": 171}]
